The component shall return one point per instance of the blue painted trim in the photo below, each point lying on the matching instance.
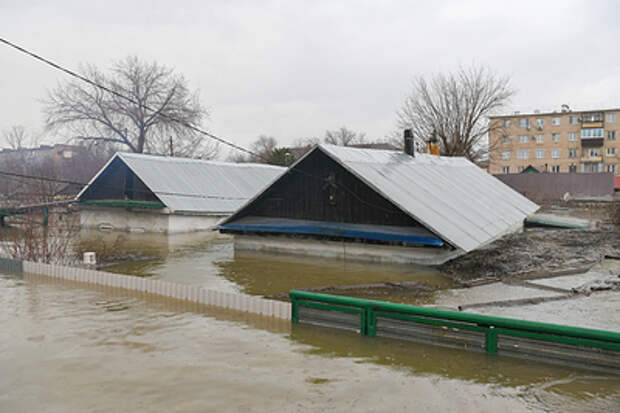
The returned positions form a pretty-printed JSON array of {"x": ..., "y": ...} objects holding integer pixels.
[{"x": 333, "y": 229}]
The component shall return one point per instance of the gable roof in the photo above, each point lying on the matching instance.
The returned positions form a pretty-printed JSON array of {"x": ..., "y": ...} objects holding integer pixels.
[
  {"x": 193, "y": 185},
  {"x": 452, "y": 197}
]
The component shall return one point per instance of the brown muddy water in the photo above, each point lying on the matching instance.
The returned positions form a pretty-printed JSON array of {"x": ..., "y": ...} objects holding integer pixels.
[
  {"x": 71, "y": 348},
  {"x": 201, "y": 259}
]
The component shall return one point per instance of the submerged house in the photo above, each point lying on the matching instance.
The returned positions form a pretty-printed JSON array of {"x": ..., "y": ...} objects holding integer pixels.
[
  {"x": 378, "y": 205},
  {"x": 146, "y": 193}
]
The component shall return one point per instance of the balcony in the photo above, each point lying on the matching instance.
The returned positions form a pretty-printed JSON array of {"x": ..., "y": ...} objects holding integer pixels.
[
  {"x": 591, "y": 158},
  {"x": 592, "y": 120},
  {"x": 592, "y": 142}
]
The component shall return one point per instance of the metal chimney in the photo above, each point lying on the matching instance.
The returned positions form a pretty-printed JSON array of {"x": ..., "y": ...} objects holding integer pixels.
[{"x": 408, "y": 137}]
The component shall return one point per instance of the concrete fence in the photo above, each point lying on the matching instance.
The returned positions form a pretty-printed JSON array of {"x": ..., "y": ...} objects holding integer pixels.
[{"x": 190, "y": 293}]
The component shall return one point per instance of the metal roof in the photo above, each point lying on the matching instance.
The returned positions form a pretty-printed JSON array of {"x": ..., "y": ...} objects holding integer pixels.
[
  {"x": 450, "y": 196},
  {"x": 193, "y": 185}
]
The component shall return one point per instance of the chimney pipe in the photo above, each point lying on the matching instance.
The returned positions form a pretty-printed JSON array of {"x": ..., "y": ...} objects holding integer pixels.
[{"x": 408, "y": 137}]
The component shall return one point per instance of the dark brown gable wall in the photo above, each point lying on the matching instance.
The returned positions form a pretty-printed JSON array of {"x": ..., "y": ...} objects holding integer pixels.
[
  {"x": 319, "y": 189},
  {"x": 117, "y": 181}
]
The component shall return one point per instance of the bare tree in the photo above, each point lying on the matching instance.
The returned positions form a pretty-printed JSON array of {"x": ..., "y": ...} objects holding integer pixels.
[
  {"x": 160, "y": 106},
  {"x": 263, "y": 147},
  {"x": 18, "y": 138},
  {"x": 344, "y": 137},
  {"x": 456, "y": 107}
]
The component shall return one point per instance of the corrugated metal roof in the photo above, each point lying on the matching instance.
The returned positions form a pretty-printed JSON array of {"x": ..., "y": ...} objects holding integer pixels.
[
  {"x": 193, "y": 185},
  {"x": 450, "y": 196}
]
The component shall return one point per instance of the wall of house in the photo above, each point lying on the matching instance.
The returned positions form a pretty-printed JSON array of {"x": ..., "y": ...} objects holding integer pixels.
[
  {"x": 117, "y": 181},
  {"x": 320, "y": 189},
  {"x": 189, "y": 223},
  {"x": 345, "y": 250},
  {"x": 122, "y": 219},
  {"x": 159, "y": 221}
]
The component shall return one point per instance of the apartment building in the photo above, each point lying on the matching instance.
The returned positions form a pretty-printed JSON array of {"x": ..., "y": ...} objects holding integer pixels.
[{"x": 564, "y": 141}]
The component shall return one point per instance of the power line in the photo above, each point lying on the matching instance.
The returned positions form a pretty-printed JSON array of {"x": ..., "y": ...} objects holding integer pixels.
[
  {"x": 128, "y": 99},
  {"x": 192, "y": 127},
  {"x": 63, "y": 181}
]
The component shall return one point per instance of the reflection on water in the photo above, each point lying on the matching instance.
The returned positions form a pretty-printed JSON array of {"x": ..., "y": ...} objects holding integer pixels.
[
  {"x": 65, "y": 347},
  {"x": 201, "y": 259}
]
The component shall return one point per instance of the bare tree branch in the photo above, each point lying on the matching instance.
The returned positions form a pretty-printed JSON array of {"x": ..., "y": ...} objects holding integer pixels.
[
  {"x": 456, "y": 106},
  {"x": 84, "y": 110}
]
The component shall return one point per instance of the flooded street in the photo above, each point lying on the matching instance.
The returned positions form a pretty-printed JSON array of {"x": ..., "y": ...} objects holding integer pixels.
[
  {"x": 65, "y": 348},
  {"x": 201, "y": 259}
]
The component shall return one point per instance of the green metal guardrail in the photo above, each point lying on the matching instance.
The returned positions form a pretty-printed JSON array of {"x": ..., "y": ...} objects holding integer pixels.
[{"x": 488, "y": 327}]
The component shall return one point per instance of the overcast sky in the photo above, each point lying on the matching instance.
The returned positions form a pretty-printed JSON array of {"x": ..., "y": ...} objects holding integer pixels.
[{"x": 295, "y": 69}]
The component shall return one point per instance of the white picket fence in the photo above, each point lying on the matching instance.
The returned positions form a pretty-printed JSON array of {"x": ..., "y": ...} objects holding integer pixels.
[{"x": 190, "y": 293}]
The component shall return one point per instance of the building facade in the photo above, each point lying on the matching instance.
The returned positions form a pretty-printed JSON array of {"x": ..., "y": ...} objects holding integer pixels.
[{"x": 565, "y": 141}]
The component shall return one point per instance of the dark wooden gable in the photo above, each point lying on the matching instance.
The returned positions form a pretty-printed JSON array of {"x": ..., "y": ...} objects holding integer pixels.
[
  {"x": 118, "y": 182},
  {"x": 320, "y": 189}
]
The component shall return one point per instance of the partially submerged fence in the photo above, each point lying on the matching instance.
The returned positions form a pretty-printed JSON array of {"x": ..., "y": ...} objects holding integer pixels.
[
  {"x": 191, "y": 293},
  {"x": 595, "y": 349}
]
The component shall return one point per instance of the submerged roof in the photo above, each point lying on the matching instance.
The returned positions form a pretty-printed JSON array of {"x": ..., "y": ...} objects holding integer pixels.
[
  {"x": 452, "y": 197},
  {"x": 193, "y": 185}
]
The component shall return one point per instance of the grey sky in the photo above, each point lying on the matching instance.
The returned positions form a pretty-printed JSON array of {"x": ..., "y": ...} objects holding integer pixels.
[{"x": 294, "y": 69}]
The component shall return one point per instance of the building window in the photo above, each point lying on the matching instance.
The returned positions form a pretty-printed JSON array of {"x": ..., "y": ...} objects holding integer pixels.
[
  {"x": 611, "y": 168},
  {"x": 555, "y": 121},
  {"x": 506, "y": 140},
  {"x": 592, "y": 117},
  {"x": 555, "y": 137},
  {"x": 572, "y": 136},
  {"x": 555, "y": 153},
  {"x": 593, "y": 152},
  {"x": 506, "y": 155},
  {"x": 506, "y": 123},
  {"x": 506, "y": 169},
  {"x": 540, "y": 153},
  {"x": 591, "y": 133},
  {"x": 540, "y": 138},
  {"x": 572, "y": 168},
  {"x": 589, "y": 167},
  {"x": 540, "y": 123},
  {"x": 523, "y": 154},
  {"x": 521, "y": 168},
  {"x": 524, "y": 123},
  {"x": 572, "y": 153},
  {"x": 611, "y": 135},
  {"x": 555, "y": 168},
  {"x": 524, "y": 138},
  {"x": 573, "y": 120},
  {"x": 611, "y": 118},
  {"x": 611, "y": 152}
]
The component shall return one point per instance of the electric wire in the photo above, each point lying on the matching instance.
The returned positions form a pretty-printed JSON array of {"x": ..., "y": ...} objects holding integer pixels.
[
  {"x": 128, "y": 99},
  {"x": 171, "y": 118}
]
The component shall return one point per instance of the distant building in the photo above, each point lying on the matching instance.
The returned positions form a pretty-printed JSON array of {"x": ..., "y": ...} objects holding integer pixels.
[
  {"x": 62, "y": 162},
  {"x": 378, "y": 205},
  {"x": 56, "y": 154},
  {"x": 145, "y": 193},
  {"x": 565, "y": 141}
]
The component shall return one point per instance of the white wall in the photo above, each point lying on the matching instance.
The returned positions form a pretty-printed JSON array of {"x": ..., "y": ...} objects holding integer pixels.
[
  {"x": 346, "y": 250},
  {"x": 123, "y": 219}
]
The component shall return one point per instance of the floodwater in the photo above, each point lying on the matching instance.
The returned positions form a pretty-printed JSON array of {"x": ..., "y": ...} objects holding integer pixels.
[
  {"x": 201, "y": 259},
  {"x": 71, "y": 348}
]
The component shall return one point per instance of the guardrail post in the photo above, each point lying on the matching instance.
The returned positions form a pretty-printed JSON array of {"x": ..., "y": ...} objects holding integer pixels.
[
  {"x": 371, "y": 321},
  {"x": 491, "y": 340},
  {"x": 294, "y": 309}
]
